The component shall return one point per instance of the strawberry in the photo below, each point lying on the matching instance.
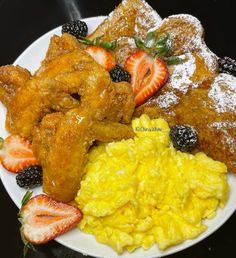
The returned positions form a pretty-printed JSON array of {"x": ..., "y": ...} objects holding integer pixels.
[
  {"x": 101, "y": 56},
  {"x": 43, "y": 218},
  {"x": 16, "y": 154},
  {"x": 147, "y": 75}
]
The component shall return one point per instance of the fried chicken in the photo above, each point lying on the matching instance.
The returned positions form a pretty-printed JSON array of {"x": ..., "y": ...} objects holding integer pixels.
[
  {"x": 63, "y": 148},
  {"x": 68, "y": 104}
]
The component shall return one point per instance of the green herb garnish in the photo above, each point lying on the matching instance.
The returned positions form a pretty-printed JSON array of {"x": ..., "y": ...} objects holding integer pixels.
[
  {"x": 1, "y": 143},
  {"x": 111, "y": 45},
  {"x": 158, "y": 47},
  {"x": 27, "y": 245}
]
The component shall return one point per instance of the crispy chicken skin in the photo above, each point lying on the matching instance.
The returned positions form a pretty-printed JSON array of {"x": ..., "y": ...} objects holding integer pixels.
[
  {"x": 12, "y": 78},
  {"x": 67, "y": 155},
  {"x": 51, "y": 89},
  {"x": 69, "y": 103}
]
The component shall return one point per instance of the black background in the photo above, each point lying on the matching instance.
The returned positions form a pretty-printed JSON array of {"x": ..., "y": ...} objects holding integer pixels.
[{"x": 23, "y": 21}]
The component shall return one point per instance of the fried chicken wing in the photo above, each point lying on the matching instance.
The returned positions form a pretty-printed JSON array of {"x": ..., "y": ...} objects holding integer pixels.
[
  {"x": 12, "y": 78},
  {"x": 51, "y": 89},
  {"x": 67, "y": 154}
]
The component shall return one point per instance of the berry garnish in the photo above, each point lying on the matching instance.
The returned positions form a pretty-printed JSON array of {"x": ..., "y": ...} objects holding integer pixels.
[
  {"x": 118, "y": 74},
  {"x": 148, "y": 74},
  {"x": 160, "y": 47},
  {"x": 77, "y": 28},
  {"x": 101, "y": 56},
  {"x": 16, "y": 154},
  {"x": 184, "y": 138},
  {"x": 30, "y": 177},
  {"x": 227, "y": 65},
  {"x": 43, "y": 219}
]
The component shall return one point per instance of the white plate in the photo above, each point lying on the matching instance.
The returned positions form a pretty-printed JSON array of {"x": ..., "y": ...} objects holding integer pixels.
[{"x": 75, "y": 239}]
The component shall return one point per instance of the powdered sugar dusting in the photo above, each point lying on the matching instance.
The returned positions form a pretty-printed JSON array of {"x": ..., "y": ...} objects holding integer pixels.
[
  {"x": 223, "y": 93},
  {"x": 224, "y": 126},
  {"x": 146, "y": 19},
  {"x": 180, "y": 75},
  {"x": 195, "y": 41},
  {"x": 167, "y": 100},
  {"x": 128, "y": 41}
]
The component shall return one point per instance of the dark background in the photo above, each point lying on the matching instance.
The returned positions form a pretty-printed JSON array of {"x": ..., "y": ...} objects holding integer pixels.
[{"x": 23, "y": 21}]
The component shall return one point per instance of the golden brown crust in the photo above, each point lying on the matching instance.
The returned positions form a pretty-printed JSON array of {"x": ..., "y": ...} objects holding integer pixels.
[
  {"x": 216, "y": 129},
  {"x": 130, "y": 17},
  {"x": 12, "y": 78}
]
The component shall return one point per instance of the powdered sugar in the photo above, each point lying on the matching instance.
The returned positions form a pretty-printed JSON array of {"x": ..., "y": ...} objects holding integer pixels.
[
  {"x": 167, "y": 100},
  {"x": 224, "y": 126},
  {"x": 146, "y": 18},
  {"x": 223, "y": 93},
  {"x": 180, "y": 75},
  {"x": 194, "y": 39}
]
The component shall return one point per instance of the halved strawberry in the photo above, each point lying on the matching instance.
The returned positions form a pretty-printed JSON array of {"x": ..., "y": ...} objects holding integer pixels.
[
  {"x": 16, "y": 154},
  {"x": 43, "y": 219},
  {"x": 147, "y": 75},
  {"x": 101, "y": 56}
]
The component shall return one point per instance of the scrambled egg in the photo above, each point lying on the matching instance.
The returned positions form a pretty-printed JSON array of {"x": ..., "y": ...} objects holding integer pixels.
[{"x": 141, "y": 191}]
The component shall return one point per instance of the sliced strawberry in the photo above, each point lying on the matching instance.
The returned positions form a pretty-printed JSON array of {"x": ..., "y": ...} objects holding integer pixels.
[
  {"x": 147, "y": 75},
  {"x": 16, "y": 154},
  {"x": 137, "y": 65},
  {"x": 101, "y": 56},
  {"x": 43, "y": 219}
]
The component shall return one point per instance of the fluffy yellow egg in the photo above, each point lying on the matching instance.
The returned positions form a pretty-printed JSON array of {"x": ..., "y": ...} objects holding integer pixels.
[{"x": 141, "y": 191}]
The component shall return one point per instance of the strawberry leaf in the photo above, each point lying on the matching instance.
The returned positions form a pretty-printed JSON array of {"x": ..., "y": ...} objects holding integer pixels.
[
  {"x": 26, "y": 198},
  {"x": 150, "y": 40},
  {"x": 85, "y": 41},
  {"x": 110, "y": 45},
  {"x": 139, "y": 43},
  {"x": 1, "y": 143},
  {"x": 174, "y": 60},
  {"x": 27, "y": 245}
]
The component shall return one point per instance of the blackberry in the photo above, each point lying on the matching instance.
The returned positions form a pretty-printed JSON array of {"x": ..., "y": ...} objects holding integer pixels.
[
  {"x": 77, "y": 28},
  {"x": 184, "y": 138},
  {"x": 118, "y": 74},
  {"x": 227, "y": 65},
  {"x": 30, "y": 177}
]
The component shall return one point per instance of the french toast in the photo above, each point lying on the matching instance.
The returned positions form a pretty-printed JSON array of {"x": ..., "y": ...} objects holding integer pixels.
[
  {"x": 211, "y": 109},
  {"x": 186, "y": 97},
  {"x": 130, "y": 18}
]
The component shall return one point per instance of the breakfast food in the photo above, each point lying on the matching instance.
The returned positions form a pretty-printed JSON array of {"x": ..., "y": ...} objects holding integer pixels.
[
  {"x": 76, "y": 28},
  {"x": 183, "y": 137},
  {"x": 102, "y": 104},
  {"x": 30, "y": 177},
  {"x": 16, "y": 154},
  {"x": 43, "y": 218},
  {"x": 119, "y": 74},
  {"x": 101, "y": 56},
  {"x": 142, "y": 191},
  {"x": 70, "y": 121},
  {"x": 188, "y": 83}
]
